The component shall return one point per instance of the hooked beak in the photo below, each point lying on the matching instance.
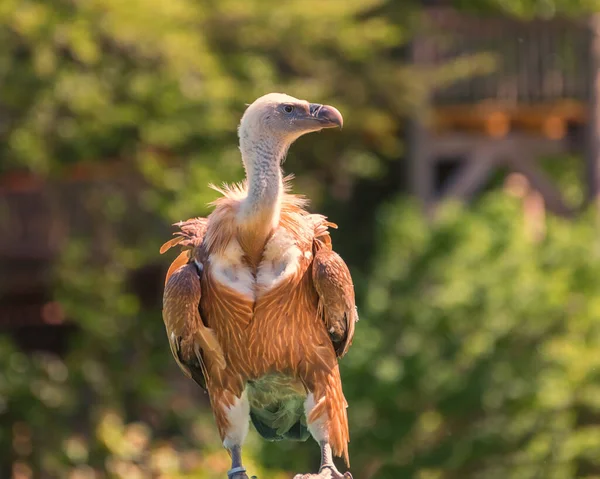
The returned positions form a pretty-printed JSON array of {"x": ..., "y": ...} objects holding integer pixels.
[{"x": 327, "y": 116}]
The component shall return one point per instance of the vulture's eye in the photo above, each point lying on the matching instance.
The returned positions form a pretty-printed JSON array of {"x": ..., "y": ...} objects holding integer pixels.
[{"x": 288, "y": 108}]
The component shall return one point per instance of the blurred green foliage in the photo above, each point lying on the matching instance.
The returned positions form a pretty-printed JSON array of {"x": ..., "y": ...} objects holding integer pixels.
[
  {"x": 475, "y": 353},
  {"x": 480, "y": 348}
]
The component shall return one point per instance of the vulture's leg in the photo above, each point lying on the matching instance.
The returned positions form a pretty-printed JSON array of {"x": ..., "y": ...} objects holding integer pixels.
[
  {"x": 327, "y": 464},
  {"x": 233, "y": 418},
  {"x": 237, "y": 471},
  {"x": 319, "y": 429},
  {"x": 327, "y": 469}
]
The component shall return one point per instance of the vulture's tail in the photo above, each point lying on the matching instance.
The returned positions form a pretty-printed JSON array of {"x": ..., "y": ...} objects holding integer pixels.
[
  {"x": 277, "y": 407},
  {"x": 281, "y": 421}
]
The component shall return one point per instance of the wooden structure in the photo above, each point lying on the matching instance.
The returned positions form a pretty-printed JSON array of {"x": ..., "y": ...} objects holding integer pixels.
[
  {"x": 28, "y": 243},
  {"x": 534, "y": 102},
  {"x": 37, "y": 218}
]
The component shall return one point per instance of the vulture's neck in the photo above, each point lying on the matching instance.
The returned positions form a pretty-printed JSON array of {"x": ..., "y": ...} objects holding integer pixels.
[{"x": 259, "y": 212}]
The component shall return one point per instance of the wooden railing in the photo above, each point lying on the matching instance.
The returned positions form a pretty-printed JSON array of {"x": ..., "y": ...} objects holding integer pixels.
[{"x": 535, "y": 61}]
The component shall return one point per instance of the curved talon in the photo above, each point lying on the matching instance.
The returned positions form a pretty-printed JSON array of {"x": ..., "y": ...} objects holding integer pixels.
[{"x": 334, "y": 473}]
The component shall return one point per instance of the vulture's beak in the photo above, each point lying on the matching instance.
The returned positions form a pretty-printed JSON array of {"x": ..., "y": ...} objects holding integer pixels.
[{"x": 328, "y": 116}]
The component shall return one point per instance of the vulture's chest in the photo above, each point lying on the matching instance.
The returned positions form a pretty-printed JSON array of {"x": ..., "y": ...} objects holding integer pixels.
[
  {"x": 283, "y": 261},
  {"x": 264, "y": 318}
]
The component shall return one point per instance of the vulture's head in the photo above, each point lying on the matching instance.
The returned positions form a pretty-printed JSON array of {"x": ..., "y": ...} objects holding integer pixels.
[{"x": 283, "y": 118}]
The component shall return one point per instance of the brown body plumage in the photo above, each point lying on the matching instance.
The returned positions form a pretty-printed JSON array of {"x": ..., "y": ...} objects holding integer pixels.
[{"x": 258, "y": 308}]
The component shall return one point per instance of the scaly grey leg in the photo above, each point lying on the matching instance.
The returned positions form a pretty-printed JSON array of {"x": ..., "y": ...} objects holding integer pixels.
[{"x": 237, "y": 471}]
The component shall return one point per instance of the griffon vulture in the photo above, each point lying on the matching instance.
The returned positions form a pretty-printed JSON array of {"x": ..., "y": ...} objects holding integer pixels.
[{"x": 258, "y": 307}]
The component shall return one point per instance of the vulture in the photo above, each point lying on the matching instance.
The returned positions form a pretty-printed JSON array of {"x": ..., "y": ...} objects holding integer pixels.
[{"x": 258, "y": 307}]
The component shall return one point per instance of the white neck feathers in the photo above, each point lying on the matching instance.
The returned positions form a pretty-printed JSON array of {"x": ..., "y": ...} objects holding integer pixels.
[{"x": 262, "y": 160}]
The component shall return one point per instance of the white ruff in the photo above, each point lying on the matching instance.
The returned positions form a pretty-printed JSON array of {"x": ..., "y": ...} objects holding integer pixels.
[
  {"x": 281, "y": 259},
  {"x": 229, "y": 270}
]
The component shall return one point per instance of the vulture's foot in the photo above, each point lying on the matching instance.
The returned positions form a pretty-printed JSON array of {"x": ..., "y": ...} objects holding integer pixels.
[
  {"x": 328, "y": 469},
  {"x": 326, "y": 472}
]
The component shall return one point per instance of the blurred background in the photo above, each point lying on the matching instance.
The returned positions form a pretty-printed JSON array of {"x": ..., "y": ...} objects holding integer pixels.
[{"x": 463, "y": 184}]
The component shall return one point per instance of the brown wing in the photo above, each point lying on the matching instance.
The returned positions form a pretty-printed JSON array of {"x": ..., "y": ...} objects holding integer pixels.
[
  {"x": 194, "y": 346},
  {"x": 337, "y": 307}
]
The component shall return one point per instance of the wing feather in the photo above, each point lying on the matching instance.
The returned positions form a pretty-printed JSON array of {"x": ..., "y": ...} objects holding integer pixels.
[
  {"x": 337, "y": 307},
  {"x": 191, "y": 234},
  {"x": 194, "y": 346}
]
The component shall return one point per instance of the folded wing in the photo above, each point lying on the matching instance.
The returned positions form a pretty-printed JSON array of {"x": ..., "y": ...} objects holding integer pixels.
[
  {"x": 333, "y": 283},
  {"x": 194, "y": 346}
]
